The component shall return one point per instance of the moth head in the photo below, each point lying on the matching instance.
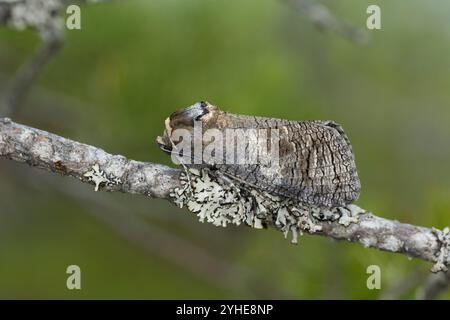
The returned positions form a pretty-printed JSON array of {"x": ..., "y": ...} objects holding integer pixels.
[{"x": 201, "y": 112}]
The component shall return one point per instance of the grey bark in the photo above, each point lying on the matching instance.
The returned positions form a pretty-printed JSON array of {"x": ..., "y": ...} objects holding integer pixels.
[
  {"x": 117, "y": 173},
  {"x": 67, "y": 157}
]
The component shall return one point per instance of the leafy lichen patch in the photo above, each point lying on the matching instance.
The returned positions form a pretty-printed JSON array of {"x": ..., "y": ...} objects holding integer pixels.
[
  {"x": 216, "y": 200},
  {"x": 99, "y": 177},
  {"x": 443, "y": 257}
]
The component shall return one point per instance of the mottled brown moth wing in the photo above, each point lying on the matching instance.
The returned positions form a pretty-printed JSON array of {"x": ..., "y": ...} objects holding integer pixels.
[{"x": 316, "y": 164}]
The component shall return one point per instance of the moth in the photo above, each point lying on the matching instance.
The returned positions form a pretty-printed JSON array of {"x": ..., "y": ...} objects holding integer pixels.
[{"x": 314, "y": 163}]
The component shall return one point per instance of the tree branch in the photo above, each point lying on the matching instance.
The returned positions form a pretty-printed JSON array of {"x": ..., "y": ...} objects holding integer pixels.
[
  {"x": 117, "y": 173},
  {"x": 56, "y": 154}
]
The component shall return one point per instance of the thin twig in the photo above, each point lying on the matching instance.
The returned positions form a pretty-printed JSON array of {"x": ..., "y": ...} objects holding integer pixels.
[
  {"x": 44, "y": 16},
  {"x": 117, "y": 173},
  {"x": 403, "y": 285},
  {"x": 435, "y": 285},
  {"x": 324, "y": 20},
  {"x": 20, "y": 85}
]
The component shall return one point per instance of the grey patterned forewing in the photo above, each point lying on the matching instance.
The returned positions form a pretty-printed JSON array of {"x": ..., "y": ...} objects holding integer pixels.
[{"x": 316, "y": 164}]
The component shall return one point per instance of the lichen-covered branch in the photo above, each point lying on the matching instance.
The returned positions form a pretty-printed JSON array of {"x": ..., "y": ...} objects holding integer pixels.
[
  {"x": 86, "y": 163},
  {"x": 393, "y": 236},
  {"x": 117, "y": 173}
]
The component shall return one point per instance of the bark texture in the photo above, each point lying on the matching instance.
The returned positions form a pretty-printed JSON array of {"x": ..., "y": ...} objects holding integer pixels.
[
  {"x": 117, "y": 173},
  {"x": 84, "y": 162}
]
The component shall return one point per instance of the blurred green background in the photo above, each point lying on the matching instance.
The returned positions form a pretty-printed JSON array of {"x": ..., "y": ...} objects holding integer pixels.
[{"x": 134, "y": 62}]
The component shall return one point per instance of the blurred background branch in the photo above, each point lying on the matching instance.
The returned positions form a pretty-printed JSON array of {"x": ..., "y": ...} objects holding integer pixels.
[
  {"x": 44, "y": 16},
  {"x": 404, "y": 284},
  {"x": 434, "y": 286},
  {"x": 324, "y": 20},
  {"x": 18, "y": 87}
]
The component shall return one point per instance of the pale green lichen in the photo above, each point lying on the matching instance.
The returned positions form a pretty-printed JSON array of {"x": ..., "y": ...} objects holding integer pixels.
[
  {"x": 220, "y": 202},
  {"x": 99, "y": 177},
  {"x": 443, "y": 258}
]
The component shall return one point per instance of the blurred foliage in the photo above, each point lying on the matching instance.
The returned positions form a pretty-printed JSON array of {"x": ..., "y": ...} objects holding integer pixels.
[{"x": 134, "y": 62}]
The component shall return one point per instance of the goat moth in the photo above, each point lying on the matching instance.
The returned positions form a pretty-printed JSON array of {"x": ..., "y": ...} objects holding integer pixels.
[{"x": 311, "y": 162}]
